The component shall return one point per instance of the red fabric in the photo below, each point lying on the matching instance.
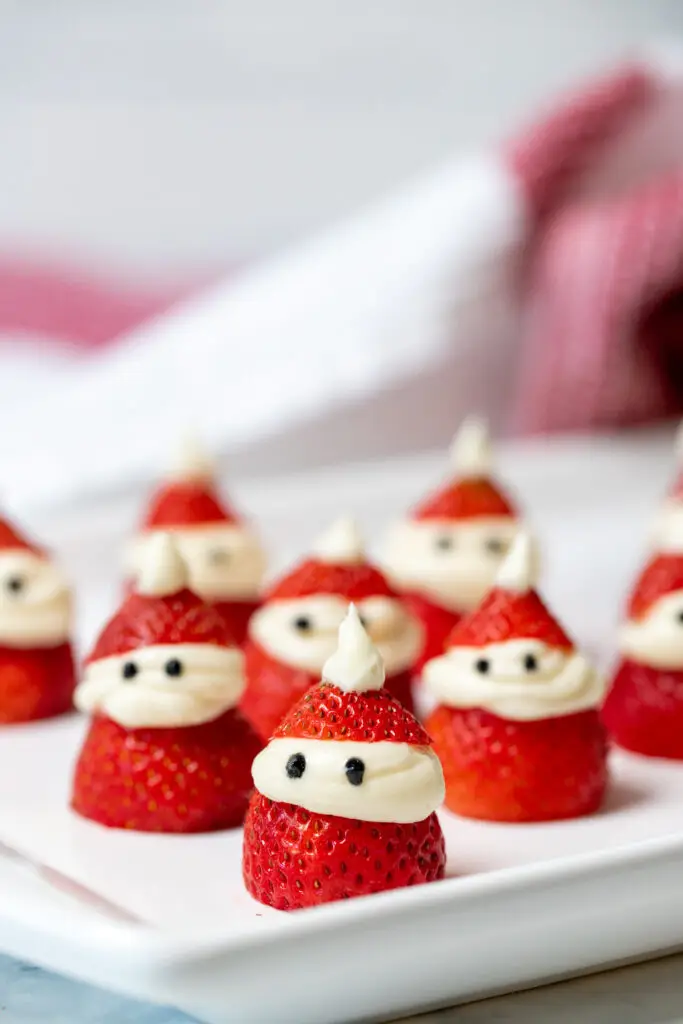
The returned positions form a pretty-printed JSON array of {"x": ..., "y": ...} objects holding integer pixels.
[
  {"x": 353, "y": 582},
  {"x": 185, "y": 503},
  {"x": 181, "y": 618},
  {"x": 465, "y": 499},
  {"x": 662, "y": 575},
  {"x": 327, "y": 713},
  {"x": 602, "y": 307},
  {"x": 11, "y": 539},
  {"x": 506, "y": 616}
]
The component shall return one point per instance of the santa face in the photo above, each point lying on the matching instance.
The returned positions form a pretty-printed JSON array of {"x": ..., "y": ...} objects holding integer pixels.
[
  {"x": 522, "y": 680},
  {"x": 380, "y": 782},
  {"x": 303, "y": 632},
  {"x": 35, "y": 601},
  {"x": 225, "y": 561},
  {"x": 451, "y": 562},
  {"x": 166, "y": 685},
  {"x": 656, "y": 639}
]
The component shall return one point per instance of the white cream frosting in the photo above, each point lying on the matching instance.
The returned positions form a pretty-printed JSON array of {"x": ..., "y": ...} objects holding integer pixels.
[
  {"x": 356, "y": 665},
  {"x": 401, "y": 783},
  {"x": 471, "y": 454},
  {"x": 657, "y": 638},
  {"x": 562, "y": 682},
  {"x": 162, "y": 569},
  {"x": 341, "y": 544},
  {"x": 450, "y": 562},
  {"x": 396, "y": 633},
  {"x": 191, "y": 461},
  {"x": 211, "y": 682},
  {"x": 225, "y": 561},
  {"x": 35, "y": 601}
]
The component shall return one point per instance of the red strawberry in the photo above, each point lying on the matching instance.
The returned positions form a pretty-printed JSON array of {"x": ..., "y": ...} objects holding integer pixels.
[
  {"x": 294, "y": 859},
  {"x": 273, "y": 688},
  {"x": 438, "y": 623},
  {"x": 502, "y": 770},
  {"x": 34, "y": 684},
  {"x": 504, "y": 615},
  {"x": 644, "y": 710},
  {"x": 236, "y": 615},
  {"x": 191, "y": 779}
]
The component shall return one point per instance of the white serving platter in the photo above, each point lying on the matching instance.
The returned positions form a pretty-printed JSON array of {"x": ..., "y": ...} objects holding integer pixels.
[{"x": 166, "y": 918}]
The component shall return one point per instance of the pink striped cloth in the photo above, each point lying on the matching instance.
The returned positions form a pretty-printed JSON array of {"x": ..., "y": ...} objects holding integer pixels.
[{"x": 602, "y": 281}]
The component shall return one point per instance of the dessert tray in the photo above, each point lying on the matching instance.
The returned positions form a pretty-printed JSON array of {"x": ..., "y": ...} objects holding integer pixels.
[{"x": 165, "y": 918}]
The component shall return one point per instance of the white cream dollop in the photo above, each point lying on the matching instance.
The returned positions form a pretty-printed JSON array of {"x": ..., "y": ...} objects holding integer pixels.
[
  {"x": 277, "y": 628},
  {"x": 224, "y": 561},
  {"x": 356, "y": 665},
  {"x": 550, "y": 684},
  {"x": 340, "y": 544},
  {"x": 471, "y": 454},
  {"x": 401, "y": 783},
  {"x": 211, "y": 681},
  {"x": 656, "y": 639},
  {"x": 35, "y": 601},
  {"x": 450, "y": 562}
]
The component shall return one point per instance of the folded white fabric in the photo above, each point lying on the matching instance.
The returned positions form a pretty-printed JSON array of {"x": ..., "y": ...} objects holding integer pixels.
[{"x": 403, "y": 290}]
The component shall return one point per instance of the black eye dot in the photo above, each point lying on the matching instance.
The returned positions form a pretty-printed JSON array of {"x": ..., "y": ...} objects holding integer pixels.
[
  {"x": 530, "y": 662},
  {"x": 15, "y": 584},
  {"x": 129, "y": 670},
  {"x": 303, "y": 623},
  {"x": 679, "y": 616},
  {"x": 482, "y": 665},
  {"x": 363, "y": 621},
  {"x": 355, "y": 770},
  {"x": 494, "y": 546},
  {"x": 296, "y": 766},
  {"x": 444, "y": 543},
  {"x": 173, "y": 667},
  {"x": 219, "y": 556}
]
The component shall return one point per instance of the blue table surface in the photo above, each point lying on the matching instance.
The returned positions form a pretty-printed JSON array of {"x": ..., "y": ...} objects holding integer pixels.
[{"x": 29, "y": 995}]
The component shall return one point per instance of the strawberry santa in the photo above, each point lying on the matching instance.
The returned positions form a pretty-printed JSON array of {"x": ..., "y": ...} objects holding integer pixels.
[
  {"x": 167, "y": 749},
  {"x": 346, "y": 790},
  {"x": 517, "y": 725},
  {"x": 295, "y": 631},
  {"x": 644, "y": 707},
  {"x": 224, "y": 556},
  {"x": 445, "y": 555},
  {"x": 37, "y": 675}
]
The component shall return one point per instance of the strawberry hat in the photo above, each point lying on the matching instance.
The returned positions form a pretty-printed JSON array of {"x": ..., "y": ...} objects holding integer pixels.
[
  {"x": 12, "y": 540},
  {"x": 662, "y": 575},
  {"x": 188, "y": 497},
  {"x": 470, "y": 494},
  {"x": 350, "y": 703},
  {"x": 337, "y": 565},
  {"x": 512, "y": 610},
  {"x": 161, "y": 609}
]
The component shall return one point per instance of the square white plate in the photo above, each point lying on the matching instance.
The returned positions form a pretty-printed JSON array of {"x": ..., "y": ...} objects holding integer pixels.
[{"x": 523, "y": 903}]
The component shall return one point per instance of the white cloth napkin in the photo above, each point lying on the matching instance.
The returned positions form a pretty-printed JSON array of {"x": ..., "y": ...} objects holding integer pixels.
[{"x": 262, "y": 364}]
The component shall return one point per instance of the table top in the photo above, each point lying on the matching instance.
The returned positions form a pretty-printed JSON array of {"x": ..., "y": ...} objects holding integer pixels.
[{"x": 640, "y": 994}]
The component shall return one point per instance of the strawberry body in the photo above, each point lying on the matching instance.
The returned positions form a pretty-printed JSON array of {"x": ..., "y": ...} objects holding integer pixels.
[
  {"x": 236, "y": 615},
  {"x": 438, "y": 623},
  {"x": 502, "y": 770},
  {"x": 294, "y": 859},
  {"x": 644, "y": 710},
  {"x": 189, "y": 779},
  {"x": 273, "y": 688},
  {"x": 35, "y": 684}
]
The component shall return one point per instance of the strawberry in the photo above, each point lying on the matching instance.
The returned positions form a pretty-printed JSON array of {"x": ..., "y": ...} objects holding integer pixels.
[
  {"x": 36, "y": 683},
  {"x": 273, "y": 688},
  {"x": 294, "y": 859},
  {"x": 236, "y": 615},
  {"x": 438, "y": 623},
  {"x": 502, "y": 770},
  {"x": 644, "y": 710},
  {"x": 503, "y": 615},
  {"x": 192, "y": 779}
]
